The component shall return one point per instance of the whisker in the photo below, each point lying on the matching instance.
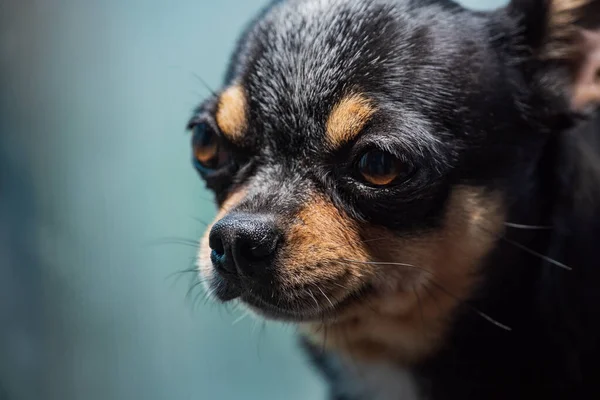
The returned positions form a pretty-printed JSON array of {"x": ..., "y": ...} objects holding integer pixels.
[
  {"x": 204, "y": 294},
  {"x": 182, "y": 272},
  {"x": 201, "y": 296},
  {"x": 256, "y": 322},
  {"x": 206, "y": 224},
  {"x": 192, "y": 287},
  {"x": 173, "y": 240},
  {"x": 205, "y": 84},
  {"x": 239, "y": 319},
  {"x": 447, "y": 292},
  {"x": 209, "y": 200},
  {"x": 261, "y": 335},
  {"x": 527, "y": 249},
  {"x": 313, "y": 297},
  {"x": 420, "y": 306},
  {"x": 324, "y": 295},
  {"x": 535, "y": 253},
  {"x": 472, "y": 308},
  {"x": 530, "y": 227},
  {"x": 501, "y": 237},
  {"x": 339, "y": 285},
  {"x": 377, "y": 239},
  {"x": 382, "y": 263}
]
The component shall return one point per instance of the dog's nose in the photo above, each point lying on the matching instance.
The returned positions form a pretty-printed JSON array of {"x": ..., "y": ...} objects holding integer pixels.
[{"x": 243, "y": 243}]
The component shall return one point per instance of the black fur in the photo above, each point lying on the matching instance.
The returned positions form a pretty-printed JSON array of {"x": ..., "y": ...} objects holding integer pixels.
[{"x": 463, "y": 102}]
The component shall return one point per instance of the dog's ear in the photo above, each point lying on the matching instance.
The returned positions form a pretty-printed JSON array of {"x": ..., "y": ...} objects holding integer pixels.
[{"x": 563, "y": 35}]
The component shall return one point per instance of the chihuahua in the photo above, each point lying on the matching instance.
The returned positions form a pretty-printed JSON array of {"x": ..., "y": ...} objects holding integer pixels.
[{"x": 416, "y": 187}]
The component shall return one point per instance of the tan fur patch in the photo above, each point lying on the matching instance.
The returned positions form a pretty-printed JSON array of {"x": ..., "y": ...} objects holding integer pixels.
[
  {"x": 587, "y": 83},
  {"x": 563, "y": 36},
  {"x": 348, "y": 118},
  {"x": 232, "y": 113},
  {"x": 313, "y": 252},
  {"x": 408, "y": 316},
  {"x": 203, "y": 263}
]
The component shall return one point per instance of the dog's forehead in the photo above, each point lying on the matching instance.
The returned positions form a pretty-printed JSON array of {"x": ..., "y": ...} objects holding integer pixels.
[{"x": 304, "y": 57}]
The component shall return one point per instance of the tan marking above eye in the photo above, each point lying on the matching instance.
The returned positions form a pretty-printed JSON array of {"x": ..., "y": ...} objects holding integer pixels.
[
  {"x": 347, "y": 119},
  {"x": 232, "y": 112}
]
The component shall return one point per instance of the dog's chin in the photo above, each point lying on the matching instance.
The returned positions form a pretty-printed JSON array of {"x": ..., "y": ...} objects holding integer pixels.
[
  {"x": 268, "y": 310},
  {"x": 279, "y": 305},
  {"x": 286, "y": 311}
]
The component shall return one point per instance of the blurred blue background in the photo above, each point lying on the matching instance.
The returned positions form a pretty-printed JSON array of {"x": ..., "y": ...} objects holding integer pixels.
[{"x": 94, "y": 179}]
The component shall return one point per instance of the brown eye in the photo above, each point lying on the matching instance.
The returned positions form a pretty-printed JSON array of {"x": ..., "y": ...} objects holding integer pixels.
[
  {"x": 380, "y": 168},
  {"x": 206, "y": 147}
]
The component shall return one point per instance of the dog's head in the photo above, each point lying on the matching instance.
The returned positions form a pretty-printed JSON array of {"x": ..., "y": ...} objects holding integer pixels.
[{"x": 363, "y": 153}]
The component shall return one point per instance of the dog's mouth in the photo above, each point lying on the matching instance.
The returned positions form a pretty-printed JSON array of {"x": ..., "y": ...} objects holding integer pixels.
[
  {"x": 299, "y": 311},
  {"x": 312, "y": 305}
]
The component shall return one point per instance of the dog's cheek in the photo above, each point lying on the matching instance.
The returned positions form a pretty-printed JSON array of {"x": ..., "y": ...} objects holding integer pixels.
[
  {"x": 323, "y": 250},
  {"x": 419, "y": 283}
]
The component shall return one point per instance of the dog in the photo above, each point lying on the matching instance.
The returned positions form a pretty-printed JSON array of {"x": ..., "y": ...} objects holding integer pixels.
[{"x": 416, "y": 187}]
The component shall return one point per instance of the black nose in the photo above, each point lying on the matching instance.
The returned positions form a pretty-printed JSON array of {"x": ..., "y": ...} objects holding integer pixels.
[{"x": 243, "y": 243}]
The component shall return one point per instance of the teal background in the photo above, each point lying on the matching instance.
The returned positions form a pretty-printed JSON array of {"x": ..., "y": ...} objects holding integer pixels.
[{"x": 94, "y": 180}]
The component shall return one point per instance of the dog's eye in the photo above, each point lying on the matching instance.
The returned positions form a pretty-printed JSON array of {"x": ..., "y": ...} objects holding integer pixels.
[
  {"x": 207, "y": 149},
  {"x": 380, "y": 168}
]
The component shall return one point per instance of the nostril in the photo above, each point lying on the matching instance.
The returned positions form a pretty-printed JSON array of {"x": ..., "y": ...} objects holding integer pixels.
[
  {"x": 256, "y": 249},
  {"x": 244, "y": 244},
  {"x": 220, "y": 255},
  {"x": 216, "y": 244},
  {"x": 259, "y": 250},
  {"x": 218, "y": 259}
]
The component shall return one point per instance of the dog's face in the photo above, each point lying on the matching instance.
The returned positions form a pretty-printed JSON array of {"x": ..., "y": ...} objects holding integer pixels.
[{"x": 362, "y": 154}]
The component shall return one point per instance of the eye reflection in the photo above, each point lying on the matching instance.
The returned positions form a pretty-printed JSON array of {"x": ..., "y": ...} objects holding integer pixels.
[
  {"x": 207, "y": 150},
  {"x": 380, "y": 168}
]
